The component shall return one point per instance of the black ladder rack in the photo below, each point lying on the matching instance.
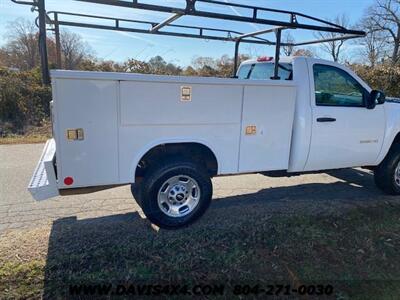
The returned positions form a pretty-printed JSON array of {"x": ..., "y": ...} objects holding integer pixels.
[{"x": 52, "y": 20}]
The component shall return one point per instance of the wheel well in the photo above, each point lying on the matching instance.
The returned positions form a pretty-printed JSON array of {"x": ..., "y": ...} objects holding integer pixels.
[
  {"x": 192, "y": 151},
  {"x": 396, "y": 140}
]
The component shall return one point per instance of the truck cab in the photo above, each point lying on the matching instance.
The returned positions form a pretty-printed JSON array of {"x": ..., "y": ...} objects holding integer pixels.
[{"x": 334, "y": 124}]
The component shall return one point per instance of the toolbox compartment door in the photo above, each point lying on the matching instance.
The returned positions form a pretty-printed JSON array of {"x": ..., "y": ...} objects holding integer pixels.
[
  {"x": 268, "y": 114},
  {"x": 89, "y": 109}
]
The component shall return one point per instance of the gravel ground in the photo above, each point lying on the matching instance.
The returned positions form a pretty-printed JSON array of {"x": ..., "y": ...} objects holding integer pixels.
[{"x": 316, "y": 193}]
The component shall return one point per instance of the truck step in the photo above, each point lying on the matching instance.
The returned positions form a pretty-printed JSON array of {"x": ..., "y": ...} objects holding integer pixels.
[{"x": 43, "y": 184}]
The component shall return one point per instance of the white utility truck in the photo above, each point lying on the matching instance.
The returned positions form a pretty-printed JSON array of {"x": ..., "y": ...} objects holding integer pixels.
[{"x": 168, "y": 136}]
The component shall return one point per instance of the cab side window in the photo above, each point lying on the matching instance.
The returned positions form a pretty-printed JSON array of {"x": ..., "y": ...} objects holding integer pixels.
[{"x": 335, "y": 87}]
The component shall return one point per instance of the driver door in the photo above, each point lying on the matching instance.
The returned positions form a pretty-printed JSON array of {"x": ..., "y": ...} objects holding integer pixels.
[{"x": 344, "y": 132}]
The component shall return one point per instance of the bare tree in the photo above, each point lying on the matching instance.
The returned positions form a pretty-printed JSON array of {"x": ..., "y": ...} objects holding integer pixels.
[
  {"x": 21, "y": 50},
  {"x": 303, "y": 52},
  {"x": 157, "y": 65},
  {"x": 205, "y": 66},
  {"x": 334, "y": 48},
  {"x": 384, "y": 17},
  {"x": 73, "y": 50},
  {"x": 252, "y": 51},
  {"x": 136, "y": 66},
  {"x": 288, "y": 39},
  {"x": 374, "y": 45}
]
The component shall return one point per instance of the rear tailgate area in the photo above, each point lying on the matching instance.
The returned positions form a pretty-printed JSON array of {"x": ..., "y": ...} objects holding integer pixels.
[{"x": 43, "y": 184}]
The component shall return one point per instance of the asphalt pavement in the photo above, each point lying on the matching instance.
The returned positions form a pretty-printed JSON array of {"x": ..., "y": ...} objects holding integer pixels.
[{"x": 316, "y": 193}]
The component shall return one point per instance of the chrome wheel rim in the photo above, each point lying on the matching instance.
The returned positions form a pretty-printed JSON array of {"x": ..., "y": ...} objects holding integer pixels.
[
  {"x": 397, "y": 175},
  {"x": 178, "y": 196}
]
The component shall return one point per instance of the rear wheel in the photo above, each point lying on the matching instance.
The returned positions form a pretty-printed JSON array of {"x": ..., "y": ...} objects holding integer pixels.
[
  {"x": 176, "y": 193},
  {"x": 135, "y": 190},
  {"x": 387, "y": 174}
]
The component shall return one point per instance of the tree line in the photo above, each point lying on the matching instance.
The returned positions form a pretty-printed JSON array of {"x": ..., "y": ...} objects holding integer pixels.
[{"x": 25, "y": 102}]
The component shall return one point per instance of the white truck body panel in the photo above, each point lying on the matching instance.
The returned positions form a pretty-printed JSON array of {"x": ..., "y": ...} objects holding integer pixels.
[
  {"x": 392, "y": 128},
  {"x": 153, "y": 114},
  {"x": 126, "y": 115},
  {"x": 302, "y": 123}
]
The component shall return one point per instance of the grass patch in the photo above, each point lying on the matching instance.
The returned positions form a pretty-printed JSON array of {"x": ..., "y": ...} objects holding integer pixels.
[
  {"x": 357, "y": 252},
  {"x": 24, "y": 139},
  {"x": 22, "y": 280},
  {"x": 32, "y": 135}
]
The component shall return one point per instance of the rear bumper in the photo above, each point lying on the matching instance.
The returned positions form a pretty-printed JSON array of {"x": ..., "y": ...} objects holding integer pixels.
[{"x": 43, "y": 184}]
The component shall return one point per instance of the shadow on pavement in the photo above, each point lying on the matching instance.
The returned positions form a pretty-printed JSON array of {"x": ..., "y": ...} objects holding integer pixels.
[{"x": 116, "y": 248}]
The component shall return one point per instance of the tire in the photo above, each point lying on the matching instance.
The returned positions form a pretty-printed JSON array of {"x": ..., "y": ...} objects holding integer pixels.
[
  {"x": 176, "y": 193},
  {"x": 136, "y": 192},
  {"x": 385, "y": 173}
]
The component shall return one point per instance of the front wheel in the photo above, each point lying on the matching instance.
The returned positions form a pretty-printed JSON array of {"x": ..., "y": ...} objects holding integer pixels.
[
  {"x": 176, "y": 193},
  {"x": 387, "y": 174}
]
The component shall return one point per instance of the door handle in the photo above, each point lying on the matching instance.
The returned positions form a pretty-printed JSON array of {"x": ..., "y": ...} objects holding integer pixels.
[{"x": 325, "y": 120}]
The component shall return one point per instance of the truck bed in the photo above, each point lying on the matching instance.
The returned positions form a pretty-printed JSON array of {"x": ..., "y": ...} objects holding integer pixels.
[{"x": 123, "y": 116}]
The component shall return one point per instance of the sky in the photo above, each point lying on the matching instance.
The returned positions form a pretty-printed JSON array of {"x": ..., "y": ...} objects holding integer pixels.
[{"x": 118, "y": 46}]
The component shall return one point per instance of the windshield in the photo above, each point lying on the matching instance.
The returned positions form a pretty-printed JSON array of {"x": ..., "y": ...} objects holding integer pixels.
[{"x": 262, "y": 71}]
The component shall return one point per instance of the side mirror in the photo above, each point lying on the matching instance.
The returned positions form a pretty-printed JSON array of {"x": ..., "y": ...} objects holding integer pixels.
[{"x": 375, "y": 97}]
